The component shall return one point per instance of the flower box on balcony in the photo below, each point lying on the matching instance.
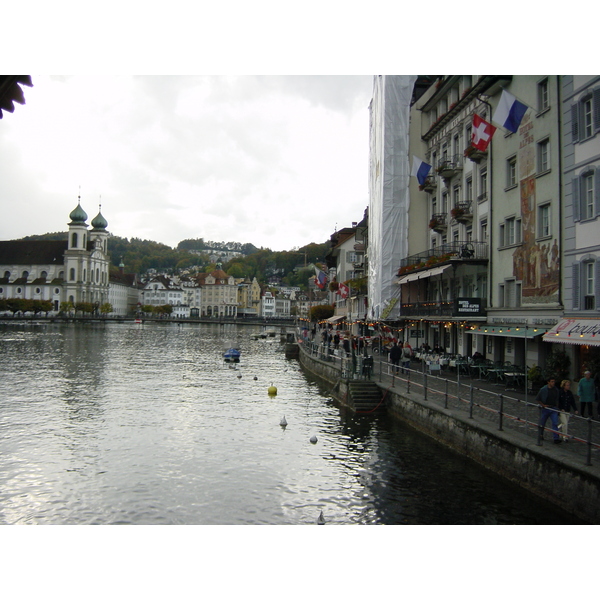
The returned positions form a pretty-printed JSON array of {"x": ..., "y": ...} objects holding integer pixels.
[
  {"x": 437, "y": 225},
  {"x": 475, "y": 154},
  {"x": 429, "y": 185}
]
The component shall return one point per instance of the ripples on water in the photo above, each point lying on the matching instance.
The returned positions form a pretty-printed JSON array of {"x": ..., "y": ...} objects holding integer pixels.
[{"x": 130, "y": 424}]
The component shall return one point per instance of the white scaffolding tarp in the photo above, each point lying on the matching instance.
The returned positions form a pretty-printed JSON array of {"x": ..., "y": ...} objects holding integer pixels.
[{"x": 388, "y": 190}]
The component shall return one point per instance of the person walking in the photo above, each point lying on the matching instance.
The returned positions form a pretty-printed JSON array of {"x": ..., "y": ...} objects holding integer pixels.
[
  {"x": 406, "y": 357},
  {"x": 395, "y": 354},
  {"x": 566, "y": 402},
  {"x": 548, "y": 399},
  {"x": 586, "y": 390}
]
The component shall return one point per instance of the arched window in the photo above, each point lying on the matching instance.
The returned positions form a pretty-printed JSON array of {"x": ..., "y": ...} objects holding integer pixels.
[
  {"x": 7, "y": 274},
  {"x": 84, "y": 274},
  {"x": 74, "y": 240},
  {"x": 97, "y": 275},
  {"x": 44, "y": 274},
  {"x": 25, "y": 275},
  {"x": 72, "y": 274}
]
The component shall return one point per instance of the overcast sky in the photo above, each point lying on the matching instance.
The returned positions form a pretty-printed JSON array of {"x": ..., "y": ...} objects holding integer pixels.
[{"x": 277, "y": 161}]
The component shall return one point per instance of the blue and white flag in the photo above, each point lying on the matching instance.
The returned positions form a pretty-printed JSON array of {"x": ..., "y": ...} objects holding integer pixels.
[
  {"x": 420, "y": 170},
  {"x": 509, "y": 112}
]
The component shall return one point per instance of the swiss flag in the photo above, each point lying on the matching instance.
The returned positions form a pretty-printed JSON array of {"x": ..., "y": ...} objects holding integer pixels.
[
  {"x": 343, "y": 290},
  {"x": 482, "y": 133}
]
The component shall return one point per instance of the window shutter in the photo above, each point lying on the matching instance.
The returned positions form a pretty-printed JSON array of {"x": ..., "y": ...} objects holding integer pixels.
[
  {"x": 575, "y": 199},
  {"x": 575, "y": 122},
  {"x": 597, "y": 191},
  {"x": 596, "y": 109},
  {"x": 576, "y": 285},
  {"x": 597, "y": 283}
]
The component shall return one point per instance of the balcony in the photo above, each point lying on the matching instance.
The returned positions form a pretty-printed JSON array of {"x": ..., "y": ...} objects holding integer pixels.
[
  {"x": 438, "y": 222},
  {"x": 475, "y": 154},
  {"x": 429, "y": 185},
  {"x": 448, "y": 168},
  {"x": 462, "y": 212},
  {"x": 451, "y": 252}
]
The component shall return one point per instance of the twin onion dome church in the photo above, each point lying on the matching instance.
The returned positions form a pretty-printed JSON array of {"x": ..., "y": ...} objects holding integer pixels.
[{"x": 75, "y": 270}]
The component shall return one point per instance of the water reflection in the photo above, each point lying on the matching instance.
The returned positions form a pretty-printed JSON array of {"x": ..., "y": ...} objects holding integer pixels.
[{"x": 124, "y": 424}]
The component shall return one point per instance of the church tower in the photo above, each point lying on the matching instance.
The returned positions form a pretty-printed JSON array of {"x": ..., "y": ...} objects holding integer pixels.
[{"x": 76, "y": 255}]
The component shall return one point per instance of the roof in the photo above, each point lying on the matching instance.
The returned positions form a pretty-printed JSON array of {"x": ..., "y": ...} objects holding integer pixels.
[{"x": 35, "y": 252}]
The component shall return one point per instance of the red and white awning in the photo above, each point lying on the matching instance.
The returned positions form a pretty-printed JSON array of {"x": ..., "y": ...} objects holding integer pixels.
[{"x": 575, "y": 331}]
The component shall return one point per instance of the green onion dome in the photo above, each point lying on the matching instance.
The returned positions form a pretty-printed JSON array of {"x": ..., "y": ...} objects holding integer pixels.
[
  {"x": 78, "y": 215},
  {"x": 99, "y": 222}
]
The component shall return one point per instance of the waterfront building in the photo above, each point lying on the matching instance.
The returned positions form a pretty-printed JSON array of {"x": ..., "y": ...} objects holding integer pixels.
[
  {"x": 483, "y": 230},
  {"x": 267, "y": 305},
  {"x": 578, "y": 333},
  {"x": 162, "y": 291},
  {"x": 124, "y": 292},
  {"x": 219, "y": 294},
  {"x": 75, "y": 270},
  {"x": 248, "y": 297}
]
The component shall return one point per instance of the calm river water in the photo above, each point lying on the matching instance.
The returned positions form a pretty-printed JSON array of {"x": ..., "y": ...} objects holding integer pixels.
[{"x": 145, "y": 424}]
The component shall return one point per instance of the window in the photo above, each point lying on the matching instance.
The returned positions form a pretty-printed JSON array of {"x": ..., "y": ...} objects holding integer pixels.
[
  {"x": 586, "y": 114},
  {"x": 483, "y": 229},
  {"x": 72, "y": 274},
  {"x": 483, "y": 184},
  {"x": 469, "y": 189},
  {"x": 444, "y": 207},
  {"x": 543, "y": 98},
  {"x": 544, "y": 220},
  {"x": 586, "y": 195},
  {"x": 456, "y": 145},
  {"x": 510, "y": 232},
  {"x": 511, "y": 172},
  {"x": 455, "y": 196},
  {"x": 585, "y": 117},
  {"x": 588, "y": 285},
  {"x": 543, "y": 156},
  {"x": 469, "y": 134}
]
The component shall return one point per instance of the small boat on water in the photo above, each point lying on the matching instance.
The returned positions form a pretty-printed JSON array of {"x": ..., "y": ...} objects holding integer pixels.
[{"x": 232, "y": 355}]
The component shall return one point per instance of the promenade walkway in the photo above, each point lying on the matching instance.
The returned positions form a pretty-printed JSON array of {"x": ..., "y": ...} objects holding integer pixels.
[{"x": 508, "y": 409}]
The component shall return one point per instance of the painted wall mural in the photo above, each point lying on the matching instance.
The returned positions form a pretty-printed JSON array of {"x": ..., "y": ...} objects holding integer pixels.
[{"x": 535, "y": 264}]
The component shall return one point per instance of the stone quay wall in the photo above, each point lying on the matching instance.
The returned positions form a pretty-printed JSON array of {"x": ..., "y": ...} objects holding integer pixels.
[{"x": 541, "y": 470}]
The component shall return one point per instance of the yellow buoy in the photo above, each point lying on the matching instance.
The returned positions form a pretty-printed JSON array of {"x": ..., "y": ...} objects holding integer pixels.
[{"x": 272, "y": 390}]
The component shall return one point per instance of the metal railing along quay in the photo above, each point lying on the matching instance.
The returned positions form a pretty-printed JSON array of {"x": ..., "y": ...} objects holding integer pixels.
[{"x": 509, "y": 409}]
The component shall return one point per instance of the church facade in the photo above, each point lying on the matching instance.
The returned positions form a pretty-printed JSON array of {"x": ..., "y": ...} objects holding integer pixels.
[{"x": 73, "y": 271}]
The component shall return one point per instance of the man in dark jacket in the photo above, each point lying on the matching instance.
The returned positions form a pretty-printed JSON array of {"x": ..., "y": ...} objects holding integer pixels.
[
  {"x": 395, "y": 354},
  {"x": 548, "y": 399}
]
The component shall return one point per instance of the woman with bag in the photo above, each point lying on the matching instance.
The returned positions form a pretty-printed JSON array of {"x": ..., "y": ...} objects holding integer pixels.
[{"x": 566, "y": 402}]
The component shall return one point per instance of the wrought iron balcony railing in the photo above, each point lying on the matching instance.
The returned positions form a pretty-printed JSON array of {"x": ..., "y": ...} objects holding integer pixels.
[{"x": 451, "y": 251}]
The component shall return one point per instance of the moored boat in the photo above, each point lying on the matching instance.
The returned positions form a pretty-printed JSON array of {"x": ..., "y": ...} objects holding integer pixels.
[{"x": 232, "y": 355}]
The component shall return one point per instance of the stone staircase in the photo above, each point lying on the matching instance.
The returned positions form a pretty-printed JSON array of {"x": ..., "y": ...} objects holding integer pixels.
[{"x": 365, "y": 396}]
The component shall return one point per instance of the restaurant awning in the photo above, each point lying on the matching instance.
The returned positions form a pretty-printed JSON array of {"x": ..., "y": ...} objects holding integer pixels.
[
  {"x": 422, "y": 274},
  {"x": 335, "y": 318},
  {"x": 575, "y": 331},
  {"x": 503, "y": 331}
]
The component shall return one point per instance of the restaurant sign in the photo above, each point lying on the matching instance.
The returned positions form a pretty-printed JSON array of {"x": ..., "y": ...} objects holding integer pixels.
[{"x": 468, "y": 307}]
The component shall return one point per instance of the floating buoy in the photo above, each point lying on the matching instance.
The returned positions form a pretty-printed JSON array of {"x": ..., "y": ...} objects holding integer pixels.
[
  {"x": 313, "y": 439},
  {"x": 321, "y": 519},
  {"x": 239, "y": 376},
  {"x": 283, "y": 422},
  {"x": 255, "y": 378},
  {"x": 272, "y": 390}
]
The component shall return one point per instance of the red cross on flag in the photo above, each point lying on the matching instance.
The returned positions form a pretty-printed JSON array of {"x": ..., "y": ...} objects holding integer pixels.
[{"x": 482, "y": 133}]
